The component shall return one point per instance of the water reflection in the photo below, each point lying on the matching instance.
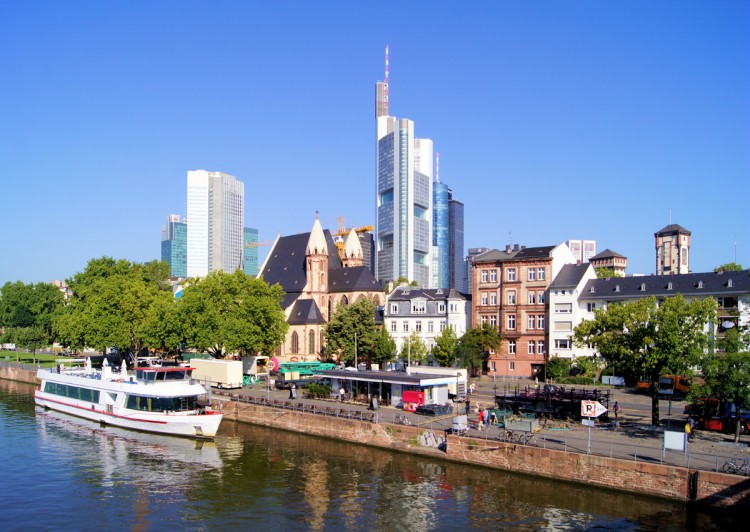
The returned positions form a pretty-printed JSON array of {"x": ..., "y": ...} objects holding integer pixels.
[{"x": 255, "y": 478}]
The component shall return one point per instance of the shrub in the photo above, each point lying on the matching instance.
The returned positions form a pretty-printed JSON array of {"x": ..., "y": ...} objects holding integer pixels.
[{"x": 316, "y": 389}]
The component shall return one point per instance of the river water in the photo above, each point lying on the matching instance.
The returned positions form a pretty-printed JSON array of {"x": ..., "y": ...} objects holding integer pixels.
[{"x": 61, "y": 473}]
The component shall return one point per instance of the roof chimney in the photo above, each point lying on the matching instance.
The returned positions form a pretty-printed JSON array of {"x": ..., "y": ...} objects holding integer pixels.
[{"x": 515, "y": 247}]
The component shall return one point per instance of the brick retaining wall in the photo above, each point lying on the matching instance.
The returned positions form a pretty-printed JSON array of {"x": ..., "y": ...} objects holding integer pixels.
[
  {"x": 716, "y": 489},
  {"x": 18, "y": 374}
]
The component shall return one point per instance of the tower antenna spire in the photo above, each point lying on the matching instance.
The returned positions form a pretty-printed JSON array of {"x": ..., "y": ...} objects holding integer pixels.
[{"x": 385, "y": 92}]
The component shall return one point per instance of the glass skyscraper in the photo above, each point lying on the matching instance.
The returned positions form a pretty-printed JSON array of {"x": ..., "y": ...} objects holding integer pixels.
[
  {"x": 440, "y": 235},
  {"x": 456, "y": 268},
  {"x": 174, "y": 246},
  {"x": 250, "y": 252}
]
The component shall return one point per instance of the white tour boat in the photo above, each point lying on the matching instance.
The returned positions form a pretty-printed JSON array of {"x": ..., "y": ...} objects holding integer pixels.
[{"x": 153, "y": 399}]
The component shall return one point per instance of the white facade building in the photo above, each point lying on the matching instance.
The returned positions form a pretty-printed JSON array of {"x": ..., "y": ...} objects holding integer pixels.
[
  {"x": 567, "y": 310},
  {"x": 215, "y": 215},
  {"x": 428, "y": 312}
]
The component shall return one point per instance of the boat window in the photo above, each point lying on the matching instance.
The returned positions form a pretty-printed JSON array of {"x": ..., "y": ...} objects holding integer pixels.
[
  {"x": 73, "y": 392},
  {"x": 161, "y": 404}
]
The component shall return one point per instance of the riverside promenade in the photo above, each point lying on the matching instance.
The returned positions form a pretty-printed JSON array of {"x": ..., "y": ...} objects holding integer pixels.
[{"x": 634, "y": 439}]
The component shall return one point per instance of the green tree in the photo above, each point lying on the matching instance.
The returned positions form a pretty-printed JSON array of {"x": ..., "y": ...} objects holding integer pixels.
[
  {"x": 111, "y": 304},
  {"x": 558, "y": 368},
  {"x": 385, "y": 347},
  {"x": 729, "y": 267},
  {"x": 651, "y": 339},
  {"x": 231, "y": 312},
  {"x": 606, "y": 273},
  {"x": 726, "y": 376},
  {"x": 445, "y": 347},
  {"x": 27, "y": 313},
  {"x": 469, "y": 352},
  {"x": 414, "y": 350},
  {"x": 352, "y": 330}
]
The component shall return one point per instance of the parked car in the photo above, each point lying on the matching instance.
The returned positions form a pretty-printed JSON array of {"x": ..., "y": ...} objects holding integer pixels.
[{"x": 434, "y": 410}]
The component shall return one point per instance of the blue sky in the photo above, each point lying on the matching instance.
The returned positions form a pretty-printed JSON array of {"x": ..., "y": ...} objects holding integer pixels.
[{"x": 554, "y": 120}]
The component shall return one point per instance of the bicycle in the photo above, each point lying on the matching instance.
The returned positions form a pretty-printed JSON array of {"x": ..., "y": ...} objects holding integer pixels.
[
  {"x": 506, "y": 436},
  {"x": 401, "y": 419},
  {"x": 527, "y": 438},
  {"x": 736, "y": 467}
]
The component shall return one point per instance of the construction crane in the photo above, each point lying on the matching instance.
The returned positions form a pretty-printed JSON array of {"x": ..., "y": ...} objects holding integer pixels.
[
  {"x": 340, "y": 236},
  {"x": 259, "y": 244}
]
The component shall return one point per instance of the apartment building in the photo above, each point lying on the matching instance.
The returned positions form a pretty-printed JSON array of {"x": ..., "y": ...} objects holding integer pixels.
[{"x": 566, "y": 310}]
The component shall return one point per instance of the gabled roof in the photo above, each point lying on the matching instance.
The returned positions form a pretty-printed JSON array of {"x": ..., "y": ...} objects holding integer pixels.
[
  {"x": 358, "y": 278},
  {"x": 689, "y": 285},
  {"x": 534, "y": 253},
  {"x": 286, "y": 261},
  {"x": 494, "y": 255},
  {"x": 305, "y": 312},
  {"x": 570, "y": 276},
  {"x": 607, "y": 254},
  {"x": 673, "y": 228},
  {"x": 409, "y": 293}
]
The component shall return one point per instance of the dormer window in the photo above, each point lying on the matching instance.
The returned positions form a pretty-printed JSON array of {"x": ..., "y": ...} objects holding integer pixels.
[
  {"x": 669, "y": 286},
  {"x": 617, "y": 288},
  {"x": 643, "y": 287},
  {"x": 700, "y": 284},
  {"x": 593, "y": 290},
  {"x": 729, "y": 283}
]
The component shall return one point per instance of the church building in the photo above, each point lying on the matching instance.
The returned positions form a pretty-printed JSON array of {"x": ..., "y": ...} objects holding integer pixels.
[{"x": 316, "y": 281}]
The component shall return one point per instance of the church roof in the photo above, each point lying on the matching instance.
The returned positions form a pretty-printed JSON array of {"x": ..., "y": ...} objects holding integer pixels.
[
  {"x": 317, "y": 242},
  {"x": 352, "y": 246},
  {"x": 305, "y": 312},
  {"x": 356, "y": 278}
]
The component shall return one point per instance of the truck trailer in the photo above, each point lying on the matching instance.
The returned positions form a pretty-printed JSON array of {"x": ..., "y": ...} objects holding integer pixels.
[{"x": 218, "y": 373}]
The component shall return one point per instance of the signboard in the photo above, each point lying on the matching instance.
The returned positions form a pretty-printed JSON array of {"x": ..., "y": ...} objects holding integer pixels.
[
  {"x": 588, "y": 423},
  {"x": 592, "y": 409}
]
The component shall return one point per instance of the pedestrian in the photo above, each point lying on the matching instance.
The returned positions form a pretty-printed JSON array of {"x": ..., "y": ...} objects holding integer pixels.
[
  {"x": 342, "y": 392},
  {"x": 688, "y": 431},
  {"x": 480, "y": 426},
  {"x": 536, "y": 382},
  {"x": 468, "y": 406},
  {"x": 471, "y": 388},
  {"x": 293, "y": 391},
  {"x": 692, "y": 427},
  {"x": 616, "y": 409}
]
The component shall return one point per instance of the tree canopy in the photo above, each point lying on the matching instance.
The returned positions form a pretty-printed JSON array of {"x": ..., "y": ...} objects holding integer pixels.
[
  {"x": 27, "y": 313},
  {"x": 649, "y": 338},
  {"x": 413, "y": 350},
  {"x": 111, "y": 304},
  {"x": 231, "y": 312},
  {"x": 353, "y": 324},
  {"x": 475, "y": 345},
  {"x": 729, "y": 267},
  {"x": 444, "y": 351},
  {"x": 606, "y": 273}
]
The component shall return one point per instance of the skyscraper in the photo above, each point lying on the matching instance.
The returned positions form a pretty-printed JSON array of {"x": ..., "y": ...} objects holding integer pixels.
[
  {"x": 250, "y": 252},
  {"x": 215, "y": 214},
  {"x": 174, "y": 245},
  {"x": 456, "y": 267},
  {"x": 404, "y": 196},
  {"x": 440, "y": 235}
]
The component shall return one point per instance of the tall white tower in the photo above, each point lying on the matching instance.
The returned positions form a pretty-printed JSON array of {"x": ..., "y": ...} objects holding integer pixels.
[
  {"x": 404, "y": 168},
  {"x": 215, "y": 216}
]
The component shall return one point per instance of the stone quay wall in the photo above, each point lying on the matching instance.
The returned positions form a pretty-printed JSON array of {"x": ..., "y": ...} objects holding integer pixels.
[
  {"x": 678, "y": 483},
  {"x": 11, "y": 373}
]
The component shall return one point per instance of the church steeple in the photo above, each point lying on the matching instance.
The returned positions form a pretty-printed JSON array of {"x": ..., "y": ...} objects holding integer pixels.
[
  {"x": 353, "y": 255},
  {"x": 317, "y": 266}
]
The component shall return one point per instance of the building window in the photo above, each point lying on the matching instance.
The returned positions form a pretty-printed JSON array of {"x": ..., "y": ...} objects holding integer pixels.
[
  {"x": 311, "y": 342},
  {"x": 493, "y": 320},
  {"x": 418, "y": 326},
  {"x": 511, "y": 347},
  {"x": 453, "y": 307},
  {"x": 493, "y": 299},
  {"x": 484, "y": 320},
  {"x": 442, "y": 326},
  {"x": 562, "y": 344},
  {"x": 394, "y": 308},
  {"x": 540, "y": 321},
  {"x": 406, "y": 326},
  {"x": 511, "y": 321},
  {"x": 532, "y": 274},
  {"x": 540, "y": 298},
  {"x": 484, "y": 276},
  {"x": 532, "y": 298},
  {"x": 430, "y": 326},
  {"x": 511, "y": 274},
  {"x": 540, "y": 274},
  {"x": 484, "y": 299},
  {"x": 441, "y": 308},
  {"x": 512, "y": 365},
  {"x": 590, "y": 307},
  {"x": 418, "y": 307},
  {"x": 563, "y": 308},
  {"x": 532, "y": 321},
  {"x": 393, "y": 326},
  {"x": 511, "y": 297},
  {"x": 532, "y": 347},
  {"x": 540, "y": 347},
  {"x": 295, "y": 343},
  {"x": 493, "y": 276}
]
